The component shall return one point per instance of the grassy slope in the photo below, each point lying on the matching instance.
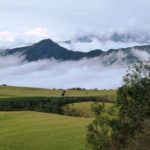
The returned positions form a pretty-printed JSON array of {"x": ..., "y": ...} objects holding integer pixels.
[
  {"x": 27, "y": 92},
  {"x": 22, "y": 92},
  {"x": 85, "y": 108},
  {"x": 41, "y": 131}
]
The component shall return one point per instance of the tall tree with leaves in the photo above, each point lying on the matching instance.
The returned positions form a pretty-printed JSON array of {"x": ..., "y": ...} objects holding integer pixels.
[
  {"x": 133, "y": 102},
  {"x": 133, "y": 105}
]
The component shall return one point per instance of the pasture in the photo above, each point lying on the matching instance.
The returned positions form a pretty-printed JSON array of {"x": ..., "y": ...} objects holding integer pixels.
[
  {"x": 10, "y": 91},
  {"x": 41, "y": 131},
  {"x": 26, "y": 130}
]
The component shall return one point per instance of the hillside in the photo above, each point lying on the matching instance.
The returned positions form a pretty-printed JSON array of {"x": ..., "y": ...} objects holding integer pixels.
[
  {"x": 8, "y": 91},
  {"x": 41, "y": 131}
]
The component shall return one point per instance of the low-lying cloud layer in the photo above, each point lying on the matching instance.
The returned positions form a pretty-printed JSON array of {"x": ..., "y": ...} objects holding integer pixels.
[
  {"x": 53, "y": 74},
  {"x": 141, "y": 55},
  {"x": 86, "y": 73},
  {"x": 95, "y": 44},
  {"x": 86, "y": 41}
]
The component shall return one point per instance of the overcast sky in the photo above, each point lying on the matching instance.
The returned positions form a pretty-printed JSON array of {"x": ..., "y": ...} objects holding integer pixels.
[
  {"x": 23, "y": 22},
  {"x": 61, "y": 19}
]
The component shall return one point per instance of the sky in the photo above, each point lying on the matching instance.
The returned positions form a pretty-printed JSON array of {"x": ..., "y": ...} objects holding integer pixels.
[
  {"x": 25, "y": 22},
  {"x": 30, "y": 20}
]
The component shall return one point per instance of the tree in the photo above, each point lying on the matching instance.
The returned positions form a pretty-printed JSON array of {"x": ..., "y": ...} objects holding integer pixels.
[
  {"x": 63, "y": 93},
  {"x": 133, "y": 103},
  {"x": 133, "y": 108},
  {"x": 99, "y": 129}
]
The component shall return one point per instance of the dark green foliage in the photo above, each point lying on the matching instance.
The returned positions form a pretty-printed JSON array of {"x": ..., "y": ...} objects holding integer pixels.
[
  {"x": 133, "y": 103},
  {"x": 99, "y": 130},
  {"x": 44, "y": 104},
  {"x": 77, "y": 88},
  {"x": 63, "y": 93}
]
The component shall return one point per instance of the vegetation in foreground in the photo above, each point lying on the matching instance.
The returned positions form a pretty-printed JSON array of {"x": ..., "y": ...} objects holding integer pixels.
[{"x": 129, "y": 129}]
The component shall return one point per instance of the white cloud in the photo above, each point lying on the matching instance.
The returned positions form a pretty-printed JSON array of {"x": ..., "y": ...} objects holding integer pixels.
[
  {"x": 6, "y": 36},
  {"x": 11, "y": 61},
  {"x": 37, "y": 32},
  {"x": 142, "y": 55},
  {"x": 12, "y": 39},
  {"x": 87, "y": 73},
  {"x": 95, "y": 44}
]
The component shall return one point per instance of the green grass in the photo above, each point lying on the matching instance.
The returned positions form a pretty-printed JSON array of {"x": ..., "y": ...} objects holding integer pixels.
[
  {"x": 8, "y": 91},
  {"x": 107, "y": 93},
  {"x": 41, "y": 131},
  {"x": 85, "y": 108}
]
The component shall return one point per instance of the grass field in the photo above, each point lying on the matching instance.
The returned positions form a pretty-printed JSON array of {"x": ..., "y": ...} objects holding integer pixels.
[
  {"x": 8, "y": 91},
  {"x": 41, "y": 131},
  {"x": 85, "y": 108}
]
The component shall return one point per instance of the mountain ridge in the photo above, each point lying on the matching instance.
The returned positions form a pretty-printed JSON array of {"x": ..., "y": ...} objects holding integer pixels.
[{"x": 47, "y": 49}]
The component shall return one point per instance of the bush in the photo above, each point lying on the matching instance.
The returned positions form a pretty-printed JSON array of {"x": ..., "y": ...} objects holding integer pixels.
[{"x": 44, "y": 104}]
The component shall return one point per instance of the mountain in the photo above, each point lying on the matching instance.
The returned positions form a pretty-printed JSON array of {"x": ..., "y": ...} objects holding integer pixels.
[{"x": 47, "y": 49}]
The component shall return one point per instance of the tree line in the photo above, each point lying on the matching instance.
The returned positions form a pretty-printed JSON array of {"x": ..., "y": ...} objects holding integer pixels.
[{"x": 44, "y": 104}]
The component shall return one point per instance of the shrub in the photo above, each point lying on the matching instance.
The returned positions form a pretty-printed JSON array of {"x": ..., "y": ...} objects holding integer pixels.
[{"x": 44, "y": 104}]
